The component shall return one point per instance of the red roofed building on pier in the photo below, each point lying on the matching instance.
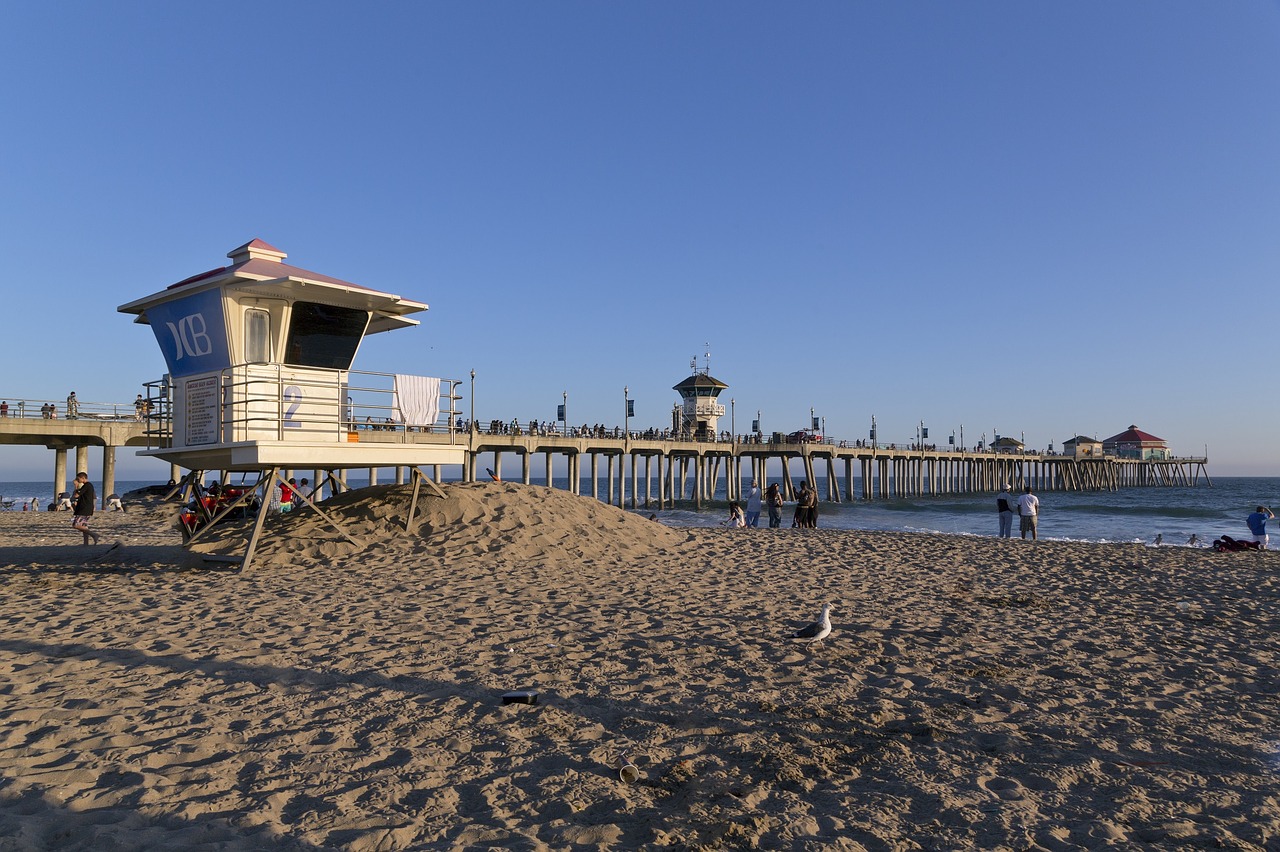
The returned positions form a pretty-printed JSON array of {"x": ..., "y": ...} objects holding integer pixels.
[{"x": 1133, "y": 443}]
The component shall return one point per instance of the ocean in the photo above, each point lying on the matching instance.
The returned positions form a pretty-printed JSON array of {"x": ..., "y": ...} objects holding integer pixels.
[{"x": 1131, "y": 515}]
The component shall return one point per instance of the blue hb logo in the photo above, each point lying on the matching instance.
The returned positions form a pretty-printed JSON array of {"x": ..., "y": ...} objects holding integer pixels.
[{"x": 192, "y": 333}]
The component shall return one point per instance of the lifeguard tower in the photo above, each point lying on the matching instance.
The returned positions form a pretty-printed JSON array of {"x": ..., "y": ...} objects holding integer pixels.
[
  {"x": 259, "y": 378},
  {"x": 698, "y": 412}
]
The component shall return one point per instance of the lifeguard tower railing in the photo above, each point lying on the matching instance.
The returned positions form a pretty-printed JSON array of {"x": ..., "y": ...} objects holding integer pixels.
[{"x": 275, "y": 402}]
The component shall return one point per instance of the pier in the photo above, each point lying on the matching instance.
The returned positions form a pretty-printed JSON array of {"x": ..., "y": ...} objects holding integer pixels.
[
  {"x": 638, "y": 471},
  {"x": 93, "y": 424},
  {"x": 259, "y": 379}
]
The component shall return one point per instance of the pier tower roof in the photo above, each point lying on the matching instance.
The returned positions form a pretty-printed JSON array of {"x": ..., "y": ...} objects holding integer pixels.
[
  {"x": 1135, "y": 436},
  {"x": 700, "y": 384}
]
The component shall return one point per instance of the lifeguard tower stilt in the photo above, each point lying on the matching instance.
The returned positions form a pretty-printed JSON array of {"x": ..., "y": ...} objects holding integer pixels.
[{"x": 259, "y": 380}]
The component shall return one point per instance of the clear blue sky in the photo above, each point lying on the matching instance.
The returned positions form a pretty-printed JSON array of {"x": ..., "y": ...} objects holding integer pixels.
[{"x": 1041, "y": 219}]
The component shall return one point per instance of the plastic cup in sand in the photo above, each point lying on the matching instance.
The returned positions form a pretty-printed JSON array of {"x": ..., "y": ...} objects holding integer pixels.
[{"x": 627, "y": 770}]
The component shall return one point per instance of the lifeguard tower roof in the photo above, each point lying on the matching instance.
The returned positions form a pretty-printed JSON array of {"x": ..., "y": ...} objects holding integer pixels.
[{"x": 258, "y": 269}]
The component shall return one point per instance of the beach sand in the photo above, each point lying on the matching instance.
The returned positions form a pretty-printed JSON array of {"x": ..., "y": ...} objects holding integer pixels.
[{"x": 975, "y": 693}]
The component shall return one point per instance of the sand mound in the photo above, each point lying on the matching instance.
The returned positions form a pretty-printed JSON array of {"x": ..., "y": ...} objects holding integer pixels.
[{"x": 491, "y": 519}]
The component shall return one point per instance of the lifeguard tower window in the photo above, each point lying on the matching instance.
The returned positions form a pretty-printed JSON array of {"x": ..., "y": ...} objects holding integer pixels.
[
  {"x": 324, "y": 335},
  {"x": 257, "y": 336}
]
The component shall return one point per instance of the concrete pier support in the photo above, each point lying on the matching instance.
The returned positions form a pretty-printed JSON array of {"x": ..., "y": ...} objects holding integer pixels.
[
  {"x": 108, "y": 474},
  {"x": 59, "y": 472}
]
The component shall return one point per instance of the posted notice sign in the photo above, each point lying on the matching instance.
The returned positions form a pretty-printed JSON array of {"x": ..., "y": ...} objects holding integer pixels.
[{"x": 202, "y": 411}]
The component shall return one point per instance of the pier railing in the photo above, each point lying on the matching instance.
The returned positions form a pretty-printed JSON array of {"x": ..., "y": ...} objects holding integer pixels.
[
  {"x": 275, "y": 402},
  {"x": 57, "y": 409}
]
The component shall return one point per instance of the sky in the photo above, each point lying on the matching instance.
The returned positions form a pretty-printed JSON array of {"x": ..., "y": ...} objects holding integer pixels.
[{"x": 1035, "y": 219}]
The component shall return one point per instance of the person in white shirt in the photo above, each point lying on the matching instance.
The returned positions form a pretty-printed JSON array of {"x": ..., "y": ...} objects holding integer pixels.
[
  {"x": 1029, "y": 509},
  {"x": 753, "y": 505}
]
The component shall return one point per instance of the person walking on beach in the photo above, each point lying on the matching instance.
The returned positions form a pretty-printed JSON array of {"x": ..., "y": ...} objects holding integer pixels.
[
  {"x": 1029, "y": 509},
  {"x": 86, "y": 497},
  {"x": 1258, "y": 525},
  {"x": 753, "y": 505},
  {"x": 773, "y": 497},
  {"x": 811, "y": 508},
  {"x": 1006, "y": 505}
]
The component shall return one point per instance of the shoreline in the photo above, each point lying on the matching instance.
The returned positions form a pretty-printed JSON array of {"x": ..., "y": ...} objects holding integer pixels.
[{"x": 974, "y": 693}]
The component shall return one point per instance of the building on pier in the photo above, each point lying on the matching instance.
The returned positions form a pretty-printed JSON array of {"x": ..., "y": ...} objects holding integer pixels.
[
  {"x": 1006, "y": 444},
  {"x": 1082, "y": 447},
  {"x": 1133, "y": 443},
  {"x": 698, "y": 413}
]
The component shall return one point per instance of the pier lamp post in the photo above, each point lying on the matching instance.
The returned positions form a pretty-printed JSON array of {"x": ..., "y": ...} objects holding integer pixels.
[
  {"x": 565, "y": 395},
  {"x": 626, "y": 412},
  {"x": 733, "y": 420},
  {"x": 811, "y": 418},
  {"x": 824, "y": 431},
  {"x": 962, "y": 437},
  {"x": 873, "y": 431},
  {"x": 758, "y": 430},
  {"x": 473, "y": 401}
]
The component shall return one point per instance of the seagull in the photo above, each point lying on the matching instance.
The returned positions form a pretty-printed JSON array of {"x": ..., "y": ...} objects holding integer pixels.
[{"x": 818, "y": 630}]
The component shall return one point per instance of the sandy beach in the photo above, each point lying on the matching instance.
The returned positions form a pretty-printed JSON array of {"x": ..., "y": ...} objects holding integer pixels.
[{"x": 975, "y": 693}]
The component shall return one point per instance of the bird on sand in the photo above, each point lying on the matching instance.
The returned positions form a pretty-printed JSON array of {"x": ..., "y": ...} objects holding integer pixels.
[{"x": 818, "y": 630}]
